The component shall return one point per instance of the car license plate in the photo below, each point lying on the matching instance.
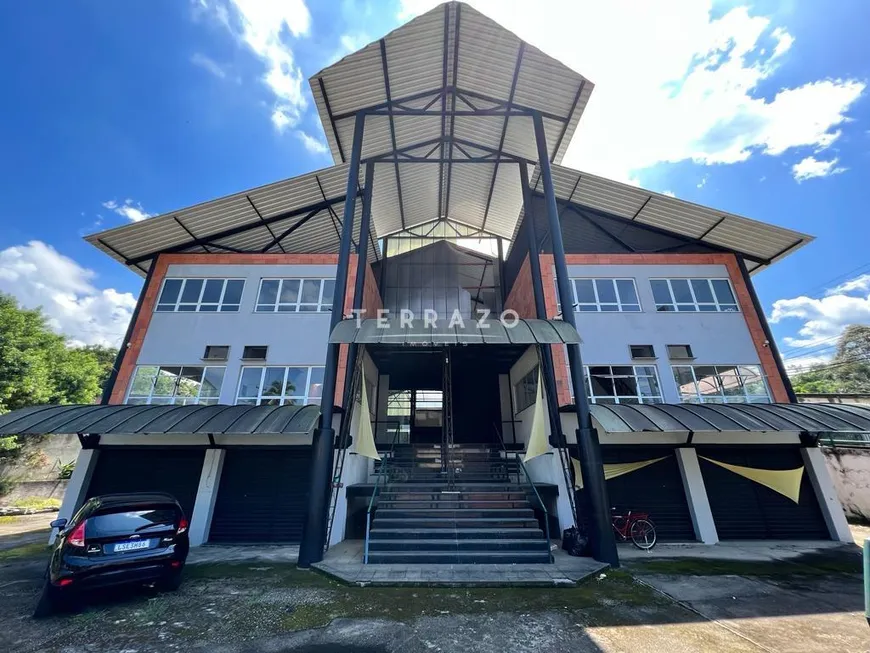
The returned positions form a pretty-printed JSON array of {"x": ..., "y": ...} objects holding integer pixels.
[{"x": 132, "y": 545}]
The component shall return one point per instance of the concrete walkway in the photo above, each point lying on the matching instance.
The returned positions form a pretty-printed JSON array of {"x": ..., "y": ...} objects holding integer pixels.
[
  {"x": 345, "y": 562},
  {"x": 749, "y": 551}
]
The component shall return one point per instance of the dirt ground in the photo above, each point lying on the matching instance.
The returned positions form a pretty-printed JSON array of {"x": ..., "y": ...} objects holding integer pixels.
[{"x": 813, "y": 604}]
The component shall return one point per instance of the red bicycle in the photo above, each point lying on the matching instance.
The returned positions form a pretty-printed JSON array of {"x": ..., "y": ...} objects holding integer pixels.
[{"x": 637, "y": 526}]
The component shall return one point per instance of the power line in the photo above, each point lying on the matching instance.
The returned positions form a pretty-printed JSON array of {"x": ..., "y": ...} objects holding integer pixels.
[{"x": 822, "y": 368}]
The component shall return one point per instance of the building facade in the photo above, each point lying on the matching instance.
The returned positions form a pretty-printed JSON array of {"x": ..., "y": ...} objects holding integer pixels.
[{"x": 448, "y": 220}]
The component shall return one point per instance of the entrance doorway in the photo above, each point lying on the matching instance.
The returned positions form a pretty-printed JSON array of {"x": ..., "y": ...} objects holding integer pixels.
[{"x": 420, "y": 393}]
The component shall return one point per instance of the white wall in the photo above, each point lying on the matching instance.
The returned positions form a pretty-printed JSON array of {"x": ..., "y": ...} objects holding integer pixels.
[
  {"x": 715, "y": 338},
  {"x": 849, "y": 469},
  {"x": 292, "y": 338}
]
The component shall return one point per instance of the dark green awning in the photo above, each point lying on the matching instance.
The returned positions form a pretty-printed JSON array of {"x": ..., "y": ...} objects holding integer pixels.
[{"x": 417, "y": 332}]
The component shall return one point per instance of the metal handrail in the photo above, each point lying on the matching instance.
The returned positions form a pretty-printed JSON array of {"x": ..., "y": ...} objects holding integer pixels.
[
  {"x": 522, "y": 466},
  {"x": 382, "y": 473}
]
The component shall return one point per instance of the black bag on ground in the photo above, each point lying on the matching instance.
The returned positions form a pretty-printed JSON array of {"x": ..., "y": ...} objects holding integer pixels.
[{"x": 574, "y": 542}]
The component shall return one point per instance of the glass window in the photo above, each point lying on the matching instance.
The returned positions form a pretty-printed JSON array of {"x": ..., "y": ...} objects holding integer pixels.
[
  {"x": 295, "y": 295},
  {"x": 277, "y": 386},
  {"x": 200, "y": 295},
  {"x": 526, "y": 390},
  {"x": 693, "y": 295},
  {"x": 721, "y": 384},
  {"x": 623, "y": 384},
  {"x": 178, "y": 385},
  {"x": 605, "y": 295}
]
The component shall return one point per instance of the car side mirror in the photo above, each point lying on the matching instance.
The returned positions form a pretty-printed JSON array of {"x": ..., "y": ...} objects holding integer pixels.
[{"x": 58, "y": 524}]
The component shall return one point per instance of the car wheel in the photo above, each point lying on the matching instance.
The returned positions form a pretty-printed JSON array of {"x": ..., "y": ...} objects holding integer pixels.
[{"x": 170, "y": 582}]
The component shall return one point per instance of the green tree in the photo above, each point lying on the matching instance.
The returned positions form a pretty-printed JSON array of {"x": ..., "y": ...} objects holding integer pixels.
[
  {"x": 37, "y": 366},
  {"x": 849, "y": 369}
]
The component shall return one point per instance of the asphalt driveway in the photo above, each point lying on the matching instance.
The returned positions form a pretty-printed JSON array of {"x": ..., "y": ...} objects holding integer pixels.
[{"x": 248, "y": 607}]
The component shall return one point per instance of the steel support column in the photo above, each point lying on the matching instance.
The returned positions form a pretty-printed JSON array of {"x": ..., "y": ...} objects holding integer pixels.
[
  {"x": 603, "y": 543},
  {"x": 768, "y": 334},
  {"x": 541, "y": 312},
  {"x": 359, "y": 282},
  {"x": 314, "y": 533}
]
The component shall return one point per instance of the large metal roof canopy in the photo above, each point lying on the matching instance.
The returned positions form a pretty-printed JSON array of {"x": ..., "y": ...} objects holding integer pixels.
[{"x": 448, "y": 99}]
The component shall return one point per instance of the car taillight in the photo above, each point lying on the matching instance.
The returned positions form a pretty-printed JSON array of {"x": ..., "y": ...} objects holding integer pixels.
[
  {"x": 182, "y": 526},
  {"x": 77, "y": 536}
]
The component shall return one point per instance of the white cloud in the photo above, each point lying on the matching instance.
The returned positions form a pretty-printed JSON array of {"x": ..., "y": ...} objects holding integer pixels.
[
  {"x": 811, "y": 167},
  {"x": 129, "y": 209},
  {"x": 669, "y": 193},
  {"x": 824, "y": 318},
  {"x": 209, "y": 64},
  {"x": 703, "y": 181},
  {"x": 37, "y": 275},
  {"x": 672, "y": 84},
  {"x": 312, "y": 144},
  {"x": 350, "y": 42}
]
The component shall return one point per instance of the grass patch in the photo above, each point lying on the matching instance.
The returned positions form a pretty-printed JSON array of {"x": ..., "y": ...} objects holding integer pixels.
[
  {"x": 407, "y": 603},
  {"x": 24, "y": 551},
  {"x": 806, "y": 565},
  {"x": 36, "y": 503},
  {"x": 275, "y": 574}
]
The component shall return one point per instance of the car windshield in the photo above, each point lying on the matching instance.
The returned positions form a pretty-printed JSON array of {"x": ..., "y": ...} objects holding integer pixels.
[{"x": 123, "y": 522}]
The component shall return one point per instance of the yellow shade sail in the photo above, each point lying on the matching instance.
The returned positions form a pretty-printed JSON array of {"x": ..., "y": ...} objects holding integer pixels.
[
  {"x": 364, "y": 443},
  {"x": 538, "y": 443},
  {"x": 612, "y": 470},
  {"x": 785, "y": 481}
]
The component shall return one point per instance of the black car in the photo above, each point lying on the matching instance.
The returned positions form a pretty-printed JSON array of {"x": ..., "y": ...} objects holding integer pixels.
[{"x": 116, "y": 539}]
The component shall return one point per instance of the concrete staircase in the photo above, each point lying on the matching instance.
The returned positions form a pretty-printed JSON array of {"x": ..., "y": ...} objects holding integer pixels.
[{"x": 483, "y": 517}]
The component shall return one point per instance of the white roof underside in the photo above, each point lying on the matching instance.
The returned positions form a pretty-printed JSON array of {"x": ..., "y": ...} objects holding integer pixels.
[
  {"x": 482, "y": 60},
  {"x": 481, "y": 57}
]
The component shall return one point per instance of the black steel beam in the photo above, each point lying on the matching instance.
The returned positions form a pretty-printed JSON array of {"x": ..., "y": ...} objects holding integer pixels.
[
  {"x": 268, "y": 228},
  {"x": 189, "y": 232},
  {"x": 383, "y": 105},
  {"x": 289, "y": 230},
  {"x": 331, "y": 117},
  {"x": 124, "y": 258},
  {"x": 226, "y": 233},
  {"x": 446, "y": 213},
  {"x": 332, "y": 213},
  {"x": 768, "y": 334},
  {"x": 603, "y": 543},
  {"x": 511, "y": 105},
  {"x": 783, "y": 252},
  {"x": 716, "y": 224},
  {"x": 383, "y": 45},
  {"x": 568, "y": 121},
  {"x": 486, "y": 148},
  {"x": 642, "y": 207},
  {"x": 613, "y": 237},
  {"x": 504, "y": 128},
  {"x": 443, "y": 106},
  {"x": 320, "y": 487}
]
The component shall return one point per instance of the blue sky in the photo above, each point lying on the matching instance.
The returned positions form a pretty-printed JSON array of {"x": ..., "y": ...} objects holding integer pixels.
[{"x": 117, "y": 110}]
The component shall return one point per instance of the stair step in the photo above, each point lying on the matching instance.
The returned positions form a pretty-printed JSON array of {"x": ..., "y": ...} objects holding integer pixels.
[
  {"x": 459, "y": 544},
  {"x": 453, "y": 504},
  {"x": 457, "y": 522},
  {"x": 459, "y": 557},
  {"x": 420, "y": 513},
  {"x": 456, "y": 533}
]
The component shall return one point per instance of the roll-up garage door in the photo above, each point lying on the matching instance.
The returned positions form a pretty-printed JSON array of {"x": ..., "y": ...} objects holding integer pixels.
[
  {"x": 152, "y": 469},
  {"x": 262, "y": 496},
  {"x": 746, "y": 510},
  {"x": 656, "y": 489}
]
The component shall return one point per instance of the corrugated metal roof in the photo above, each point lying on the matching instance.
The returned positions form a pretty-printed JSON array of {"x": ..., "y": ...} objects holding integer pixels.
[
  {"x": 471, "y": 332},
  {"x": 241, "y": 217},
  {"x": 758, "y": 240},
  {"x": 724, "y": 418},
  {"x": 451, "y": 57},
  {"x": 456, "y": 47},
  {"x": 129, "y": 420}
]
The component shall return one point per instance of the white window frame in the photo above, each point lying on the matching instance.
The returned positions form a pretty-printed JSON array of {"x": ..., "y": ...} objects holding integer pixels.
[
  {"x": 519, "y": 390},
  {"x": 722, "y": 398},
  {"x": 282, "y": 398},
  {"x": 176, "y": 399},
  {"x": 321, "y": 307},
  {"x": 618, "y": 399},
  {"x": 598, "y": 303},
  {"x": 697, "y": 305},
  {"x": 199, "y": 303}
]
